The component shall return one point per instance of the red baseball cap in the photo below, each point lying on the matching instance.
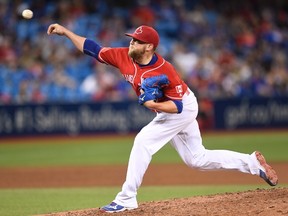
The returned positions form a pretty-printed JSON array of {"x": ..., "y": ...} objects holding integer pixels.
[{"x": 145, "y": 34}]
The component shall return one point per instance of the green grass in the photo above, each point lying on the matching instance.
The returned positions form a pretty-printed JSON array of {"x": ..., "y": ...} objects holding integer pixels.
[
  {"x": 89, "y": 151},
  {"x": 21, "y": 202},
  {"x": 70, "y": 151}
]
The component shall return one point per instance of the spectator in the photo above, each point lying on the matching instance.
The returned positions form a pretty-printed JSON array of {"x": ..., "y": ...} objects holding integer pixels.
[{"x": 228, "y": 49}]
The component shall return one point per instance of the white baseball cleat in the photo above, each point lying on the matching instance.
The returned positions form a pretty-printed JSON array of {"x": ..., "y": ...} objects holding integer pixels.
[{"x": 114, "y": 207}]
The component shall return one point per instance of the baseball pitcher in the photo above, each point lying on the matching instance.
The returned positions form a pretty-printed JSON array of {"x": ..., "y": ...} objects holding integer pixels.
[{"x": 160, "y": 88}]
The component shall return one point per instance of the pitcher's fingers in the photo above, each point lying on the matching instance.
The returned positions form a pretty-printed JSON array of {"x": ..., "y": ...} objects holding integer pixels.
[{"x": 50, "y": 29}]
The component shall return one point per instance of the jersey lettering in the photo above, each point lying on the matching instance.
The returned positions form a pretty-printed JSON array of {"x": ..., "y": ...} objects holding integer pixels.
[{"x": 128, "y": 78}]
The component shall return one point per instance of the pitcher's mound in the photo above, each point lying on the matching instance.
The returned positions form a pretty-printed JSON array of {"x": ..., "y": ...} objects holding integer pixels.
[{"x": 262, "y": 202}]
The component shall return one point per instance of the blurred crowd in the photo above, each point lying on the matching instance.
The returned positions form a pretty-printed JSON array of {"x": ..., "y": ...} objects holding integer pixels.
[{"x": 222, "y": 49}]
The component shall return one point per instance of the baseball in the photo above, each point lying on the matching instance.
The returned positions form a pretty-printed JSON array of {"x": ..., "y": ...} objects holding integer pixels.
[{"x": 27, "y": 14}]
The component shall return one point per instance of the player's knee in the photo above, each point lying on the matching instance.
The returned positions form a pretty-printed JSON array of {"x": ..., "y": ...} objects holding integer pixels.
[{"x": 199, "y": 161}]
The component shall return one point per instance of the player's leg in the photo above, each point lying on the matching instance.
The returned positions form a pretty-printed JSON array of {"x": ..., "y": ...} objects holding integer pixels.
[
  {"x": 147, "y": 142},
  {"x": 188, "y": 144}
]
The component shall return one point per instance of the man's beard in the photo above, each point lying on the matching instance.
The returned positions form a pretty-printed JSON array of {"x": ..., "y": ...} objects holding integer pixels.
[{"x": 136, "y": 54}]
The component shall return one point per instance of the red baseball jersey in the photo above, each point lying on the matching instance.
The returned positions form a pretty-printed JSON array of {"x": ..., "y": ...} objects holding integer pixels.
[{"x": 134, "y": 73}]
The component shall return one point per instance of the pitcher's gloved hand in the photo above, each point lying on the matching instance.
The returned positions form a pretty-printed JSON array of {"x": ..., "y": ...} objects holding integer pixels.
[{"x": 151, "y": 88}]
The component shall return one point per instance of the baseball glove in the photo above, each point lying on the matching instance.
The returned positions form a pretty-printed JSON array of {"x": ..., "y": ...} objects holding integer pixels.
[{"x": 152, "y": 88}]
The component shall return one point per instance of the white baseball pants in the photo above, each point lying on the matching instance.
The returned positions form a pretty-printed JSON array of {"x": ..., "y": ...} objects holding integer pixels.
[{"x": 183, "y": 132}]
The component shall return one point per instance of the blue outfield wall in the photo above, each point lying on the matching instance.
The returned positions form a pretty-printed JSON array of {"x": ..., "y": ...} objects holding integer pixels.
[
  {"x": 251, "y": 113},
  {"x": 128, "y": 116},
  {"x": 73, "y": 119}
]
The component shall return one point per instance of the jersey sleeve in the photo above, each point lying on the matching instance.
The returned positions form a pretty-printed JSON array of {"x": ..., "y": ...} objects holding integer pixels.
[
  {"x": 177, "y": 87},
  {"x": 113, "y": 56},
  {"x": 107, "y": 55},
  {"x": 91, "y": 48},
  {"x": 176, "y": 91}
]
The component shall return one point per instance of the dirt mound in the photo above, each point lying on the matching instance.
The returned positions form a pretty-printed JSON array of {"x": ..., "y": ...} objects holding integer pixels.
[{"x": 262, "y": 202}]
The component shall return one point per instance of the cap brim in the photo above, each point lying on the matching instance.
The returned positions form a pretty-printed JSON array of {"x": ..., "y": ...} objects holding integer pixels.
[
  {"x": 135, "y": 36},
  {"x": 129, "y": 35}
]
